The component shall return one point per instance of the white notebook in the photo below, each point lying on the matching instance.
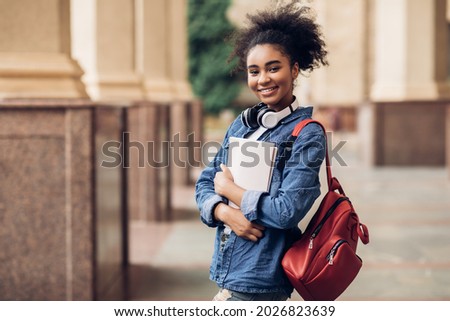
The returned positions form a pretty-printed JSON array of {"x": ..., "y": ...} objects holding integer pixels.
[{"x": 251, "y": 163}]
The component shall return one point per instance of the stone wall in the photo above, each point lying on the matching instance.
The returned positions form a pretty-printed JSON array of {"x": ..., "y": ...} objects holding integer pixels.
[{"x": 409, "y": 133}]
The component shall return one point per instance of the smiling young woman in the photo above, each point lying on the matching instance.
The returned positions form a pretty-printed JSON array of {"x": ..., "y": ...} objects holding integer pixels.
[{"x": 251, "y": 240}]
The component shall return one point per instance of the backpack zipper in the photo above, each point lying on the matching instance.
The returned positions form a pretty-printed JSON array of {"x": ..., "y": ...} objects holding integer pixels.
[
  {"x": 333, "y": 250},
  {"x": 322, "y": 222}
]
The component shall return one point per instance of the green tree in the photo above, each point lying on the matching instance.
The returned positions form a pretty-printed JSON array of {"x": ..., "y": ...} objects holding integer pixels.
[{"x": 209, "y": 72}]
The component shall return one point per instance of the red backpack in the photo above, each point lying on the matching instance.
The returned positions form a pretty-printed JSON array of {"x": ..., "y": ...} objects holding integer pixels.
[{"x": 323, "y": 262}]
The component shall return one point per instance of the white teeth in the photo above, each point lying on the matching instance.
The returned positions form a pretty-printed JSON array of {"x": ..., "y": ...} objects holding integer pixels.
[{"x": 267, "y": 90}]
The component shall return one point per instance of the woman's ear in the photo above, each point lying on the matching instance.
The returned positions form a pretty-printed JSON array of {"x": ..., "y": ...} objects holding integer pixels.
[{"x": 295, "y": 70}]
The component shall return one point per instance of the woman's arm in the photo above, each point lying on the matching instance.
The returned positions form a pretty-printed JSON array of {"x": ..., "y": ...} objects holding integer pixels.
[
  {"x": 214, "y": 211},
  {"x": 213, "y": 208},
  {"x": 206, "y": 197}
]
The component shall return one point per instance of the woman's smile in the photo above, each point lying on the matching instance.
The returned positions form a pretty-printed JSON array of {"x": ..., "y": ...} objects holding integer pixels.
[{"x": 267, "y": 91}]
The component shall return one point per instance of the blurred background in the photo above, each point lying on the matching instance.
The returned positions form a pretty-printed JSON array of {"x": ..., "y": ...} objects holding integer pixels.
[{"x": 109, "y": 109}]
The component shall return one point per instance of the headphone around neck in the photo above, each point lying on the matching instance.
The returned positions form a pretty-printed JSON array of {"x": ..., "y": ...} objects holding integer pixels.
[{"x": 262, "y": 116}]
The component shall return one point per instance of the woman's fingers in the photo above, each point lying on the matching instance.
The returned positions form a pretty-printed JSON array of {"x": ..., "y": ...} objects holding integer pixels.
[
  {"x": 259, "y": 227},
  {"x": 226, "y": 171},
  {"x": 251, "y": 233},
  {"x": 240, "y": 224},
  {"x": 257, "y": 233}
]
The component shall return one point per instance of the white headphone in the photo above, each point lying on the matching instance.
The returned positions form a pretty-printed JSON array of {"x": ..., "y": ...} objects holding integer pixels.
[{"x": 261, "y": 115}]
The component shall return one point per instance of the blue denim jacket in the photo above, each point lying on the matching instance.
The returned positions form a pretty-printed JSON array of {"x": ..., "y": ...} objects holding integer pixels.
[{"x": 255, "y": 267}]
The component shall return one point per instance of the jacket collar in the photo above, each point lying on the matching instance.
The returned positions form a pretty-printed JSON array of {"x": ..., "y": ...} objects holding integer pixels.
[{"x": 300, "y": 112}]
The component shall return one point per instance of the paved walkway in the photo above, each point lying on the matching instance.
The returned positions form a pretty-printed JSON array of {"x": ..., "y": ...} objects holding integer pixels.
[{"x": 407, "y": 211}]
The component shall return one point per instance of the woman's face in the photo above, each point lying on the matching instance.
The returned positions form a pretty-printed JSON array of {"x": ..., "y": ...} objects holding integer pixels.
[{"x": 270, "y": 76}]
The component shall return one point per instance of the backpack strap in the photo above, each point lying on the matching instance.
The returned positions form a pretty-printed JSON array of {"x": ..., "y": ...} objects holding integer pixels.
[{"x": 333, "y": 183}]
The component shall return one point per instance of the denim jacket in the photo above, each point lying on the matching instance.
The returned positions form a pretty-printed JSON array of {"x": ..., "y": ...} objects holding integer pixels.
[{"x": 255, "y": 267}]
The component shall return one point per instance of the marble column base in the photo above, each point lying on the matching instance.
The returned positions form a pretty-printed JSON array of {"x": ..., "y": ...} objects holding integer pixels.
[{"x": 62, "y": 227}]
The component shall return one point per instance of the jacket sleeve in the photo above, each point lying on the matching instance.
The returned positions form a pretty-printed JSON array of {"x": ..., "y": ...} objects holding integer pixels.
[
  {"x": 205, "y": 195},
  {"x": 299, "y": 188}
]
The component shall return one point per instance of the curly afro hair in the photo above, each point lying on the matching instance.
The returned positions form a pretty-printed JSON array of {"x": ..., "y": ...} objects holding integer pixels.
[{"x": 289, "y": 27}]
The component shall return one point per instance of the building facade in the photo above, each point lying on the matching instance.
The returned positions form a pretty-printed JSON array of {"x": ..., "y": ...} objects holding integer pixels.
[{"x": 387, "y": 78}]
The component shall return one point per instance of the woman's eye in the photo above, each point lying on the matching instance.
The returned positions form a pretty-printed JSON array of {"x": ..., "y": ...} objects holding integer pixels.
[
  {"x": 274, "y": 69},
  {"x": 253, "y": 72}
]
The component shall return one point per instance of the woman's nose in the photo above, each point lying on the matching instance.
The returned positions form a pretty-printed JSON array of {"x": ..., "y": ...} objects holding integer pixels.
[{"x": 263, "y": 78}]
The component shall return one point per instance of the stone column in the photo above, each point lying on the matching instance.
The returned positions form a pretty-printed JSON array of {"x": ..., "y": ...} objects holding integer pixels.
[
  {"x": 447, "y": 126},
  {"x": 410, "y": 83},
  {"x": 338, "y": 89},
  {"x": 197, "y": 140},
  {"x": 147, "y": 161},
  {"x": 178, "y": 52},
  {"x": 152, "y": 38},
  {"x": 163, "y": 37},
  {"x": 182, "y": 93},
  {"x": 447, "y": 133},
  {"x": 104, "y": 41},
  {"x": 180, "y": 147},
  {"x": 35, "y": 53},
  {"x": 410, "y": 57},
  {"x": 343, "y": 83}
]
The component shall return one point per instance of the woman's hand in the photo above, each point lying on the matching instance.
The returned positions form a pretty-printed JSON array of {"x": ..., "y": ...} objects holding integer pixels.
[
  {"x": 224, "y": 186},
  {"x": 238, "y": 222},
  {"x": 223, "y": 180}
]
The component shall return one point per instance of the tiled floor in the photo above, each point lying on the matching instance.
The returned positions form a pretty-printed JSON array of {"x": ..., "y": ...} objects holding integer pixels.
[{"x": 407, "y": 211}]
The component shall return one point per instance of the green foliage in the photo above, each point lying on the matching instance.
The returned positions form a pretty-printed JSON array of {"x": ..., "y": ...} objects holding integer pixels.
[{"x": 209, "y": 72}]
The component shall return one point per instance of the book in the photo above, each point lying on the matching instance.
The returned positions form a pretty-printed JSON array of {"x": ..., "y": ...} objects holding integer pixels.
[{"x": 251, "y": 163}]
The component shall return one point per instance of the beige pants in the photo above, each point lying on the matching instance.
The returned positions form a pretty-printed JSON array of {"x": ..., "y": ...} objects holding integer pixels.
[
  {"x": 222, "y": 295},
  {"x": 227, "y": 295}
]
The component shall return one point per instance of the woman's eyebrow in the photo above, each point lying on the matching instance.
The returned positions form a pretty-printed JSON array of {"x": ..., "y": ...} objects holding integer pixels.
[
  {"x": 266, "y": 64},
  {"x": 273, "y": 62}
]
